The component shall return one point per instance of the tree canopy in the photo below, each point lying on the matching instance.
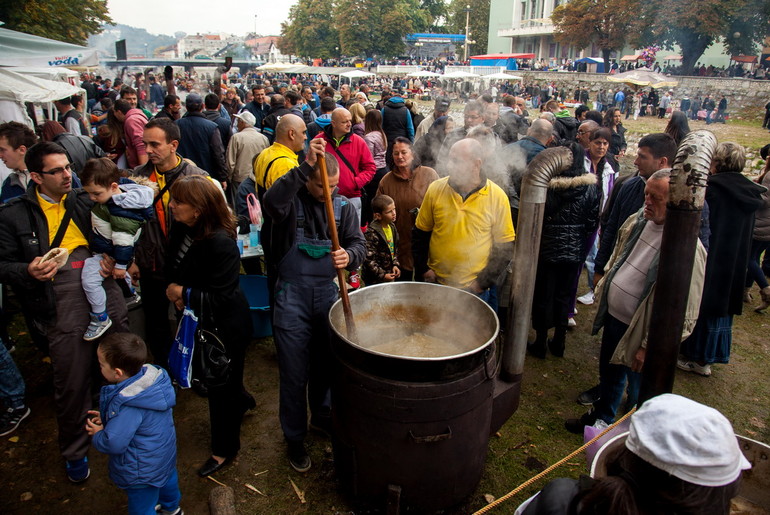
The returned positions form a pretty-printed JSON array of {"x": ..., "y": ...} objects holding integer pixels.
[
  {"x": 62, "y": 20},
  {"x": 695, "y": 25},
  {"x": 310, "y": 30},
  {"x": 604, "y": 22},
  {"x": 478, "y": 21}
]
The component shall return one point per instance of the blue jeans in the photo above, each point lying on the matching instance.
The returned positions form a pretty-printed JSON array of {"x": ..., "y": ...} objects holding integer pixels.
[
  {"x": 142, "y": 500},
  {"x": 490, "y": 297},
  {"x": 11, "y": 382},
  {"x": 755, "y": 273},
  {"x": 612, "y": 378}
]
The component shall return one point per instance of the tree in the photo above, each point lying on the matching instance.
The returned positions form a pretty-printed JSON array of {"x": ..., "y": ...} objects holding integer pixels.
[
  {"x": 478, "y": 22},
  {"x": 309, "y": 30},
  {"x": 605, "y": 22},
  {"x": 62, "y": 20},
  {"x": 436, "y": 14},
  {"x": 376, "y": 27},
  {"x": 695, "y": 25}
]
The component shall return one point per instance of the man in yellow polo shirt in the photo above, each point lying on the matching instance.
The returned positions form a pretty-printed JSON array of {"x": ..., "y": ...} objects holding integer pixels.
[
  {"x": 275, "y": 162},
  {"x": 463, "y": 235},
  {"x": 51, "y": 214}
]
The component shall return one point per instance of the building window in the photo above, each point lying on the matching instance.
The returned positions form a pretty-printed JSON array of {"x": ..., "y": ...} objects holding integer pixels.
[{"x": 552, "y": 50}]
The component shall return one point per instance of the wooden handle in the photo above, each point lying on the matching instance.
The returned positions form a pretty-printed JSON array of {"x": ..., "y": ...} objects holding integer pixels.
[{"x": 350, "y": 323}]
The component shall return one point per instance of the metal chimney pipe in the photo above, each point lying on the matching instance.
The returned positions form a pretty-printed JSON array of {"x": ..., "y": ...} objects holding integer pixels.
[
  {"x": 549, "y": 163},
  {"x": 687, "y": 192}
]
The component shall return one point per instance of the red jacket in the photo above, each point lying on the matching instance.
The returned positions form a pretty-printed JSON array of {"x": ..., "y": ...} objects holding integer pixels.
[
  {"x": 357, "y": 153},
  {"x": 133, "y": 127}
]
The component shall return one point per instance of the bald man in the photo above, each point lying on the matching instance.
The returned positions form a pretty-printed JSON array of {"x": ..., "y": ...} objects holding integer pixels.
[
  {"x": 463, "y": 235},
  {"x": 281, "y": 156},
  {"x": 353, "y": 155}
]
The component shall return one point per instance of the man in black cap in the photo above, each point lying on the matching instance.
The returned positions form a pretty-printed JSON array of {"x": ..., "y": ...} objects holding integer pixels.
[
  {"x": 201, "y": 141},
  {"x": 441, "y": 108}
]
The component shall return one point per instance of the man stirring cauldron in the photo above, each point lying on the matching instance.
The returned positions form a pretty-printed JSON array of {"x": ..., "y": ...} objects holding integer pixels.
[{"x": 305, "y": 291}]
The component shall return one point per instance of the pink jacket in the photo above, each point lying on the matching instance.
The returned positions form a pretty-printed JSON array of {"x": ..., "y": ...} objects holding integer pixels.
[
  {"x": 354, "y": 148},
  {"x": 133, "y": 128}
]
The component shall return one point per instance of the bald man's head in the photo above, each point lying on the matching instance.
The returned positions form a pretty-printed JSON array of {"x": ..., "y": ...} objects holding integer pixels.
[
  {"x": 541, "y": 130},
  {"x": 341, "y": 122},
  {"x": 465, "y": 160},
  {"x": 291, "y": 132}
]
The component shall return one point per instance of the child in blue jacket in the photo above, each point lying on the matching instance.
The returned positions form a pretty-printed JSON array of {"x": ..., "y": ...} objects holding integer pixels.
[{"x": 136, "y": 426}]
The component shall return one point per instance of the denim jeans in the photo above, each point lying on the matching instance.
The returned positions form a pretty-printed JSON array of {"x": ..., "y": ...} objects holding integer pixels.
[
  {"x": 612, "y": 378},
  {"x": 755, "y": 273},
  {"x": 11, "y": 382},
  {"x": 142, "y": 500}
]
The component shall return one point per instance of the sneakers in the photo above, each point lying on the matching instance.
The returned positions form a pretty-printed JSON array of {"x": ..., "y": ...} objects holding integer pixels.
[
  {"x": 133, "y": 301},
  {"x": 11, "y": 419},
  {"x": 99, "y": 324},
  {"x": 177, "y": 511},
  {"x": 586, "y": 299},
  {"x": 571, "y": 322},
  {"x": 77, "y": 470},
  {"x": 590, "y": 396},
  {"x": 695, "y": 368},
  {"x": 298, "y": 457},
  {"x": 576, "y": 425}
]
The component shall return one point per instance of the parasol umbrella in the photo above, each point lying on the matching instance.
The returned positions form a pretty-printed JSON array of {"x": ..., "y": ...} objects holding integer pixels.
[
  {"x": 423, "y": 73},
  {"x": 501, "y": 76},
  {"x": 356, "y": 74},
  {"x": 643, "y": 77},
  {"x": 459, "y": 75},
  {"x": 673, "y": 57}
]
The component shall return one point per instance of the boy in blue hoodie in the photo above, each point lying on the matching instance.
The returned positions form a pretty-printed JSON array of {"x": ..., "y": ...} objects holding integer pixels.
[{"x": 136, "y": 426}]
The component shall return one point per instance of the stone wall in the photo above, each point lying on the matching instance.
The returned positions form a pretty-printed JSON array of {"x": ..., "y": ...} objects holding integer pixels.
[{"x": 742, "y": 94}]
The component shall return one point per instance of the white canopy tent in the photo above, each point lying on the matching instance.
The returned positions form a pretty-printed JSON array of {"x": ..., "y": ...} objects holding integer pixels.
[
  {"x": 423, "y": 73},
  {"x": 501, "y": 76},
  {"x": 356, "y": 74},
  {"x": 58, "y": 73},
  {"x": 459, "y": 75},
  {"x": 20, "y": 49},
  {"x": 16, "y": 89}
]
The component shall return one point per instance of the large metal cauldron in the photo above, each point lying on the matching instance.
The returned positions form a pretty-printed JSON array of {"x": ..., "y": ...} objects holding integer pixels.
[{"x": 413, "y": 429}]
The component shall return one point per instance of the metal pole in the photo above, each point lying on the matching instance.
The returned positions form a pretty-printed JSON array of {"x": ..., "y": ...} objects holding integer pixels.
[
  {"x": 548, "y": 163},
  {"x": 467, "y": 30},
  {"x": 687, "y": 192}
]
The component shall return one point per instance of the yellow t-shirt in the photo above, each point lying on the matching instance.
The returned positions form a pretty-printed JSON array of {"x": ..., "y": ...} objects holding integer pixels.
[
  {"x": 388, "y": 232},
  {"x": 287, "y": 160},
  {"x": 463, "y": 231},
  {"x": 73, "y": 237}
]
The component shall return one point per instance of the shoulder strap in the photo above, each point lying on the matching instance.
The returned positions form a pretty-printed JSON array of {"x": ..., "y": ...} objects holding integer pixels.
[
  {"x": 344, "y": 160},
  {"x": 264, "y": 177},
  {"x": 62, "y": 226}
]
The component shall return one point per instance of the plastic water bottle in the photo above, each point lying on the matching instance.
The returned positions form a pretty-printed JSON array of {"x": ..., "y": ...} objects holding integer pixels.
[{"x": 254, "y": 237}]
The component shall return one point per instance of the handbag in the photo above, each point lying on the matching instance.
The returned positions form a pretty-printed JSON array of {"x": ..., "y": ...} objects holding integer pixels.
[
  {"x": 211, "y": 363},
  {"x": 180, "y": 358}
]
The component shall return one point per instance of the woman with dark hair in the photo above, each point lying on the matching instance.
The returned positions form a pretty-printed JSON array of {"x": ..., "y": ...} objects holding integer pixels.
[
  {"x": 377, "y": 142},
  {"x": 427, "y": 148},
  {"x": 678, "y": 127},
  {"x": 613, "y": 121},
  {"x": 733, "y": 200},
  {"x": 678, "y": 457},
  {"x": 406, "y": 184},
  {"x": 202, "y": 268},
  {"x": 571, "y": 216}
]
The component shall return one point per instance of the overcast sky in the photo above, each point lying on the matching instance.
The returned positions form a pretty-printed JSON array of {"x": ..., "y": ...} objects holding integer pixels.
[{"x": 193, "y": 16}]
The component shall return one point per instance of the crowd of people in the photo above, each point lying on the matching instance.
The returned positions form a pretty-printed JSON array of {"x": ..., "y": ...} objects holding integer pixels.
[{"x": 155, "y": 196}]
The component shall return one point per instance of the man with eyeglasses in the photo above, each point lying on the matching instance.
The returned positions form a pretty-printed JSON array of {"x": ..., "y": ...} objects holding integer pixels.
[{"x": 49, "y": 215}]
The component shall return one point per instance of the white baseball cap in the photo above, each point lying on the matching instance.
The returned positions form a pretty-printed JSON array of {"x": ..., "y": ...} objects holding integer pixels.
[
  {"x": 247, "y": 118},
  {"x": 688, "y": 440}
]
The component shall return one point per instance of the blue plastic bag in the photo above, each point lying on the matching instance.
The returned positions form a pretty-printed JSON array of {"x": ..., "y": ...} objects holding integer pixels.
[{"x": 180, "y": 359}]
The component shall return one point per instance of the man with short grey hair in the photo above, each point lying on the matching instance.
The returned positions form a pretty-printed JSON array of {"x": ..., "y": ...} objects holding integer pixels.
[{"x": 244, "y": 146}]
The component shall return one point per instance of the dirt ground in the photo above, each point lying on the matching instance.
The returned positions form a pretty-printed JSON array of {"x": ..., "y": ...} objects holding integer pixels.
[{"x": 34, "y": 481}]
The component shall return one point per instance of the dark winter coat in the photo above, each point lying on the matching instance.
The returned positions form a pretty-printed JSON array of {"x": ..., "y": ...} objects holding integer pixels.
[
  {"x": 618, "y": 142},
  {"x": 379, "y": 260},
  {"x": 571, "y": 216},
  {"x": 202, "y": 143},
  {"x": 139, "y": 430},
  {"x": 396, "y": 120},
  {"x": 733, "y": 200}
]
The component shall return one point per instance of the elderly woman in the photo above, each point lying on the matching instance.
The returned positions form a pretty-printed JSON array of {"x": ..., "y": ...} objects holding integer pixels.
[
  {"x": 406, "y": 184},
  {"x": 613, "y": 121},
  {"x": 733, "y": 200},
  {"x": 203, "y": 266}
]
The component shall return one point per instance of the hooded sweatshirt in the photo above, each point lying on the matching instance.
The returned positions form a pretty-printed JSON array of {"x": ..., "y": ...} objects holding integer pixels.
[
  {"x": 139, "y": 432},
  {"x": 396, "y": 120},
  {"x": 566, "y": 126}
]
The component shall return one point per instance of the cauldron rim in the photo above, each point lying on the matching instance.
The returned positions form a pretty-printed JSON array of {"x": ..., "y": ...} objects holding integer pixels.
[{"x": 479, "y": 348}]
